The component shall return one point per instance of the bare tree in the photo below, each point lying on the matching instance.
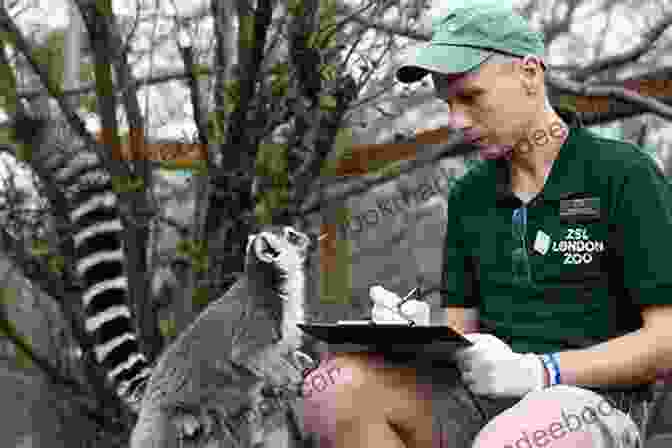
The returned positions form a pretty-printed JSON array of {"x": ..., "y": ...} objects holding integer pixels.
[{"x": 268, "y": 102}]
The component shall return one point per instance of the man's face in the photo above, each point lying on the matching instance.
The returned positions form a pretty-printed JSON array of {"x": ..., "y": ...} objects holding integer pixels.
[{"x": 491, "y": 104}]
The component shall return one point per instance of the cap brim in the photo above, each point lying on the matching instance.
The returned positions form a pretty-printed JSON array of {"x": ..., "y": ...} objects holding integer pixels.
[{"x": 446, "y": 59}]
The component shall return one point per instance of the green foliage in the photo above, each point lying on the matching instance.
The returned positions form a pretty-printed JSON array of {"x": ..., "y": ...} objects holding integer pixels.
[
  {"x": 328, "y": 10},
  {"x": 216, "y": 128},
  {"x": 262, "y": 212},
  {"x": 567, "y": 102},
  {"x": 89, "y": 102},
  {"x": 201, "y": 265},
  {"x": 336, "y": 283},
  {"x": 328, "y": 102},
  {"x": 295, "y": 7},
  {"x": 246, "y": 31},
  {"x": 126, "y": 184},
  {"x": 56, "y": 264},
  {"x": 325, "y": 37},
  {"x": 8, "y": 38},
  {"x": 342, "y": 150},
  {"x": 272, "y": 162},
  {"x": 279, "y": 79},
  {"x": 24, "y": 152},
  {"x": 168, "y": 328},
  {"x": 328, "y": 72},
  {"x": 201, "y": 296},
  {"x": 104, "y": 7},
  {"x": 231, "y": 95},
  {"x": 23, "y": 360},
  {"x": 8, "y": 98},
  {"x": 40, "y": 248},
  {"x": 201, "y": 71},
  {"x": 8, "y": 328},
  {"x": 197, "y": 252},
  {"x": 7, "y": 296},
  {"x": 271, "y": 165},
  {"x": 50, "y": 56},
  {"x": 391, "y": 168},
  {"x": 87, "y": 72},
  {"x": 343, "y": 216}
]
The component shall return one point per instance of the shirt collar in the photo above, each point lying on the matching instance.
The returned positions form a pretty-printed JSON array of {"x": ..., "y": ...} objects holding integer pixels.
[{"x": 565, "y": 179}]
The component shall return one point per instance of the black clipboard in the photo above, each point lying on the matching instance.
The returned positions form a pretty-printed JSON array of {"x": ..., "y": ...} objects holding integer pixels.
[{"x": 436, "y": 341}]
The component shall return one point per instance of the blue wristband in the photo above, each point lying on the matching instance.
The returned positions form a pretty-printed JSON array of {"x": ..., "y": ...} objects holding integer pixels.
[
  {"x": 550, "y": 361},
  {"x": 548, "y": 366},
  {"x": 556, "y": 364}
]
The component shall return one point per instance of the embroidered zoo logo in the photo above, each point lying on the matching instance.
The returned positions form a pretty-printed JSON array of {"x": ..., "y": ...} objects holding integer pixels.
[{"x": 577, "y": 247}]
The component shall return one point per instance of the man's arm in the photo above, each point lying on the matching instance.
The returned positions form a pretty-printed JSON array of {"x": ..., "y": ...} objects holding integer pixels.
[
  {"x": 635, "y": 358},
  {"x": 642, "y": 222},
  {"x": 461, "y": 319}
]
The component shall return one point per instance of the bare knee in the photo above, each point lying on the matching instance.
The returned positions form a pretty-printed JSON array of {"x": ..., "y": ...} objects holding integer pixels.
[{"x": 340, "y": 386}]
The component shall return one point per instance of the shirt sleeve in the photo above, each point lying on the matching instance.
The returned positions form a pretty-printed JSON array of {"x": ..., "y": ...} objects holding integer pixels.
[
  {"x": 643, "y": 213},
  {"x": 458, "y": 282}
]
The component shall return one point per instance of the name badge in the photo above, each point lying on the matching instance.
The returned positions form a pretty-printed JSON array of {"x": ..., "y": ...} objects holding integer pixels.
[{"x": 583, "y": 208}]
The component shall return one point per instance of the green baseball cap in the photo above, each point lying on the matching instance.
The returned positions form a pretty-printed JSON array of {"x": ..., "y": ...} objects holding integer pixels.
[{"x": 464, "y": 38}]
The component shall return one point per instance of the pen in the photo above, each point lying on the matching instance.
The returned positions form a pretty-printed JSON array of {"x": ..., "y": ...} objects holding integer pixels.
[{"x": 407, "y": 297}]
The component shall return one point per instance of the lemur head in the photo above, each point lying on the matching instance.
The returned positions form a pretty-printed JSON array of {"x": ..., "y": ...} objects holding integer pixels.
[
  {"x": 279, "y": 252},
  {"x": 275, "y": 265}
]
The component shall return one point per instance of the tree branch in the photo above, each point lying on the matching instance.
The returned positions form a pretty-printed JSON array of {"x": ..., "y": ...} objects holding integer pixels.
[
  {"x": 386, "y": 27},
  {"x": 197, "y": 105},
  {"x": 648, "y": 40},
  {"x": 8, "y": 329},
  {"x": 425, "y": 150},
  {"x": 21, "y": 44},
  {"x": 555, "y": 29},
  {"x": 251, "y": 44},
  {"x": 648, "y": 104},
  {"x": 167, "y": 75}
]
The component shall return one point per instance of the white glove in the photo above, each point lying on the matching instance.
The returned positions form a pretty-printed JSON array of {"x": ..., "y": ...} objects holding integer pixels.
[
  {"x": 385, "y": 308},
  {"x": 490, "y": 367}
]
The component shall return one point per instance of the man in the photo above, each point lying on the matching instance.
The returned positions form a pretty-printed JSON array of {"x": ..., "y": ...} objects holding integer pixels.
[{"x": 557, "y": 245}]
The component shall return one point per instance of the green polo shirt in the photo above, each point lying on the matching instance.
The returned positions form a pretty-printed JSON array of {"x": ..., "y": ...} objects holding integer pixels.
[{"x": 598, "y": 244}]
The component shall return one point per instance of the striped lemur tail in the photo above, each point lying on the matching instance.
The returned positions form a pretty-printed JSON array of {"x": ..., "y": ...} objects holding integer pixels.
[
  {"x": 99, "y": 260},
  {"x": 99, "y": 255}
]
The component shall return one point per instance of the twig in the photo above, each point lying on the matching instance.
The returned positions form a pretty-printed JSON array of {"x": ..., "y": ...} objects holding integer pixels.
[{"x": 611, "y": 62}]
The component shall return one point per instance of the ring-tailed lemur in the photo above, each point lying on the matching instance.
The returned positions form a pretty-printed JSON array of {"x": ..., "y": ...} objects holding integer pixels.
[
  {"x": 208, "y": 388},
  {"x": 99, "y": 254}
]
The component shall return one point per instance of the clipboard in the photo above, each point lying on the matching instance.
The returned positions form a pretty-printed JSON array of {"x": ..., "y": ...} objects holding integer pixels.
[{"x": 436, "y": 341}]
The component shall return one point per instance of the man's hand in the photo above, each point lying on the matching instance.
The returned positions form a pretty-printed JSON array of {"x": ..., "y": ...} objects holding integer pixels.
[
  {"x": 490, "y": 367},
  {"x": 385, "y": 308}
]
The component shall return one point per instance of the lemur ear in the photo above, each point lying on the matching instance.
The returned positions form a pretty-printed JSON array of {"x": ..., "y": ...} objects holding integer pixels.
[{"x": 264, "y": 250}]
